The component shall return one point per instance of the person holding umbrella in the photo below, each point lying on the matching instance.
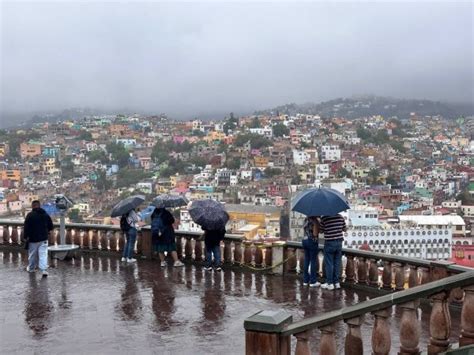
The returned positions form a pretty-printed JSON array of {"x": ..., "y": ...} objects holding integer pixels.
[
  {"x": 163, "y": 236},
  {"x": 310, "y": 247},
  {"x": 128, "y": 223},
  {"x": 333, "y": 228},
  {"x": 212, "y": 241}
]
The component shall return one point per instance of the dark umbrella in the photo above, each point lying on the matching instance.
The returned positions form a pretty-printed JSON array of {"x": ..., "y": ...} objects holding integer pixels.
[
  {"x": 209, "y": 214},
  {"x": 320, "y": 202},
  {"x": 166, "y": 201},
  {"x": 127, "y": 205}
]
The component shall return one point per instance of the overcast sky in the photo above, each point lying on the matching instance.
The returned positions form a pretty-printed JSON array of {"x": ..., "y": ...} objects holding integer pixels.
[{"x": 189, "y": 59}]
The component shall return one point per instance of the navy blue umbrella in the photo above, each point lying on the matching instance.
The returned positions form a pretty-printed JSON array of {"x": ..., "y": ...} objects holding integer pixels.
[
  {"x": 319, "y": 202},
  {"x": 209, "y": 214}
]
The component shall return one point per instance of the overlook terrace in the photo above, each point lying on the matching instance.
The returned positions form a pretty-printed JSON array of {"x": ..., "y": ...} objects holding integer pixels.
[{"x": 168, "y": 310}]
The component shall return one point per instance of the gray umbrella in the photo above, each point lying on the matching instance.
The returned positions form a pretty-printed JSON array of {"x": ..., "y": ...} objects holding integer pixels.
[
  {"x": 209, "y": 214},
  {"x": 127, "y": 205},
  {"x": 166, "y": 201}
]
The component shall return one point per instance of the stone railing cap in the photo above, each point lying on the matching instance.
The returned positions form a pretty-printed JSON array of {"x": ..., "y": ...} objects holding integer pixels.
[{"x": 268, "y": 321}]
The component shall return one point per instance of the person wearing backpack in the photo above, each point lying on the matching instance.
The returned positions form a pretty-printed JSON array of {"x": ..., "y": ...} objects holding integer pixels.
[
  {"x": 311, "y": 249},
  {"x": 163, "y": 236},
  {"x": 129, "y": 225}
]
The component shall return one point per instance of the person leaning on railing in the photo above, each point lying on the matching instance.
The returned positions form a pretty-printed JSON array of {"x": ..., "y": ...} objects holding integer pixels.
[{"x": 333, "y": 228}]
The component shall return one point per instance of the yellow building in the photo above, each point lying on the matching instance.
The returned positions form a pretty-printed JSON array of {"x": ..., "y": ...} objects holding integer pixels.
[
  {"x": 3, "y": 149},
  {"x": 261, "y": 162},
  {"x": 49, "y": 165},
  {"x": 255, "y": 218},
  {"x": 214, "y": 136}
]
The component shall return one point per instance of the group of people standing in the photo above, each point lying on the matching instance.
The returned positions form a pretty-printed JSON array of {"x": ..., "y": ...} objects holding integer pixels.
[
  {"x": 332, "y": 229},
  {"x": 164, "y": 239}
]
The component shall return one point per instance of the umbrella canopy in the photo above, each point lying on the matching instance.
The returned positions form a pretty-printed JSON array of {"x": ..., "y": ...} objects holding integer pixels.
[
  {"x": 127, "y": 205},
  {"x": 320, "y": 202},
  {"x": 209, "y": 214},
  {"x": 165, "y": 200}
]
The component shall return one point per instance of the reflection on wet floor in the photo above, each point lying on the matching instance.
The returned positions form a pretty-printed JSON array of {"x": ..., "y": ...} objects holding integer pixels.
[{"x": 96, "y": 304}]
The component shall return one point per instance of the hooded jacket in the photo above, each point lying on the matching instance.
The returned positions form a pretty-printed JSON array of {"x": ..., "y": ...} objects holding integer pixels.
[{"x": 38, "y": 224}]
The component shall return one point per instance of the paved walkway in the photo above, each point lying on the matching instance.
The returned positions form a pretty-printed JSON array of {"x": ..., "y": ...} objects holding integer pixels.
[{"x": 97, "y": 305}]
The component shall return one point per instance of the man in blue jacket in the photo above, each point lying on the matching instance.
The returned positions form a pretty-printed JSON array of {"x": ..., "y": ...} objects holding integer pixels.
[{"x": 38, "y": 224}]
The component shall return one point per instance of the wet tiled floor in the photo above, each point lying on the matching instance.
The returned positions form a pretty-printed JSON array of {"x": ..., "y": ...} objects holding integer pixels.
[{"x": 98, "y": 305}]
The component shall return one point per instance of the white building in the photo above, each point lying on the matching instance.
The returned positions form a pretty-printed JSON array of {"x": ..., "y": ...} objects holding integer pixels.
[
  {"x": 322, "y": 171},
  {"x": 300, "y": 157},
  {"x": 265, "y": 131},
  {"x": 330, "y": 153},
  {"x": 186, "y": 223}
]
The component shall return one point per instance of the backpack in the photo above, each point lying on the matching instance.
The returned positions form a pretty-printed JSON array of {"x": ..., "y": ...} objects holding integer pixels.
[
  {"x": 124, "y": 225},
  {"x": 157, "y": 225}
]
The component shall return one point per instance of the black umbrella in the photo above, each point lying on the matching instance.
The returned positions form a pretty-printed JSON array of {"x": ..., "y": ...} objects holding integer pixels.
[
  {"x": 166, "y": 201},
  {"x": 127, "y": 205},
  {"x": 209, "y": 214}
]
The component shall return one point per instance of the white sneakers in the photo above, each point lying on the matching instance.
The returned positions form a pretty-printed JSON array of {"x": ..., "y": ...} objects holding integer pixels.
[
  {"x": 316, "y": 284},
  {"x": 338, "y": 286},
  {"x": 123, "y": 259},
  {"x": 44, "y": 273},
  {"x": 131, "y": 260},
  {"x": 178, "y": 263},
  {"x": 327, "y": 286},
  {"x": 305, "y": 284},
  {"x": 164, "y": 264}
]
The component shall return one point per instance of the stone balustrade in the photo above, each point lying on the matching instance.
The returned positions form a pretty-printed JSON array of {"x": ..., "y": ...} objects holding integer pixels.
[{"x": 271, "y": 332}]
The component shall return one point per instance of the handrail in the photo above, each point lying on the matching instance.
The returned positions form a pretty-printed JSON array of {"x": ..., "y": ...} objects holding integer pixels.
[{"x": 382, "y": 302}]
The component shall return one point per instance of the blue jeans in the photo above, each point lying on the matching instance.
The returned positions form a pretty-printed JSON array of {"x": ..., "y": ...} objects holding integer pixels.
[
  {"x": 130, "y": 244},
  {"x": 311, "y": 261},
  {"x": 216, "y": 250},
  {"x": 38, "y": 255},
  {"x": 332, "y": 260}
]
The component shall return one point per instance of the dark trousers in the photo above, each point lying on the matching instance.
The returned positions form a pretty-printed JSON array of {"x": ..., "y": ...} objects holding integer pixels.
[
  {"x": 311, "y": 262},
  {"x": 332, "y": 260}
]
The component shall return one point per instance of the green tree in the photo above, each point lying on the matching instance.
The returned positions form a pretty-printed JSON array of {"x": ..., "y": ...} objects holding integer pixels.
[
  {"x": 85, "y": 135},
  {"x": 74, "y": 216},
  {"x": 102, "y": 184},
  {"x": 342, "y": 173},
  {"x": 67, "y": 168},
  {"x": 232, "y": 164},
  {"x": 271, "y": 172},
  {"x": 280, "y": 130},
  {"x": 127, "y": 177},
  {"x": 255, "y": 123},
  {"x": 96, "y": 155},
  {"x": 120, "y": 155}
]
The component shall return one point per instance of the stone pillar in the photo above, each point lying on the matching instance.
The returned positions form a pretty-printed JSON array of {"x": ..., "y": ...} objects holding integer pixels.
[
  {"x": 353, "y": 344},
  {"x": 425, "y": 275},
  {"x": 440, "y": 324},
  {"x": 104, "y": 240},
  {"x": 373, "y": 273},
  {"x": 95, "y": 239},
  {"x": 409, "y": 329},
  {"x": 198, "y": 250},
  {"x": 278, "y": 251},
  {"x": 258, "y": 255},
  {"x": 188, "y": 249},
  {"x": 69, "y": 236},
  {"x": 179, "y": 246},
  {"x": 247, "y": 253},
  {"x": 327, "y": 344},
  {"x": 14, "y": 236},
  {"x": 6, "y": 234},
  {"x": 227, "y": 252},
  {"x": 467, "y": 318},
  {"x": 291, "y": 257},
  {"x": 268, "y": 255},
  {"x": 263, "y": 333},
  {"x": 114, "y": 241},
  {"x": 238, "y": 253},
  {"x": 77, "y": 237},
  {"x": 381, "y": 340},
  {"x": 399, "y": 276},
  {"x": 146, "y": 243},
  {"x": 413, "y": 276},
  {"x": 86, "y": 244}
]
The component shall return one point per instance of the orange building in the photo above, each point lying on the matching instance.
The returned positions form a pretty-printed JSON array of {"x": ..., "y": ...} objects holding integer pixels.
[
  {"x": 30, "y": 149},
  {"x": 12, "y": 175},
  {"x": 261, "y": 162}
]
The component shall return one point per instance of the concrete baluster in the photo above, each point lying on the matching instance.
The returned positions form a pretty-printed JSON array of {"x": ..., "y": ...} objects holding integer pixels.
[
  {"x": 373, "y": 273},
  {"x": 268, "y": 255},
  {"x": 22, "y": 234},
  {"x": 440, "y": 324},
  {"x": 409, "y": 329},
  {"x": 188, "y": 249},
  {"x": 227, "y": 252},
  {"x": 14, "y": 235},
  {"x": 68, "y": 236},
  {"x": 425, "y": 275},
  {"x": 247, "y": 253},
  {"x": 381, "y": 339},
  {"x": 413, "y": 276},
  {"x": 350, "y": 269},
  {"x": 86, "y": 239},
  {"x": 77, "y": 237},
  {"x": 399, "y": 276},
  {"x": 361, "y": 271},
  {"x": 104, "y": 240},
  {"x": 387, "y": 275},
  {"x": 259, "y": 255},
  {"x": 302, "y": 343},
  {"x": 291, "y": 256},
  {"x": 353, "y": 344},
  {"x": 198, "y": 250},
  {"x": 113, "y": 242},
  {"x": 121, "y": 241},
  {"x": 238, "y": 253},
  {"x": 95, "y": 239},
  {"x": 300, "y": 260},
  {"x": 179, "y": 246},
  {"x": 467, "y": 318},
  {"x": 327, "y": 343},
  {"x": 6, "y": 234}
]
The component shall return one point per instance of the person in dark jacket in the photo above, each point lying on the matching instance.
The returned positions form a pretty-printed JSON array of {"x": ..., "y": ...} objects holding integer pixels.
[
  {"x": 212, "y": 241},
  {"x": 164, "y": 238},
  {"x": 38, "y": 224}
]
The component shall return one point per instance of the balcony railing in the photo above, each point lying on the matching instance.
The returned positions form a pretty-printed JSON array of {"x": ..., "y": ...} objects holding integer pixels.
[{"x": 406, "y": 280}]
